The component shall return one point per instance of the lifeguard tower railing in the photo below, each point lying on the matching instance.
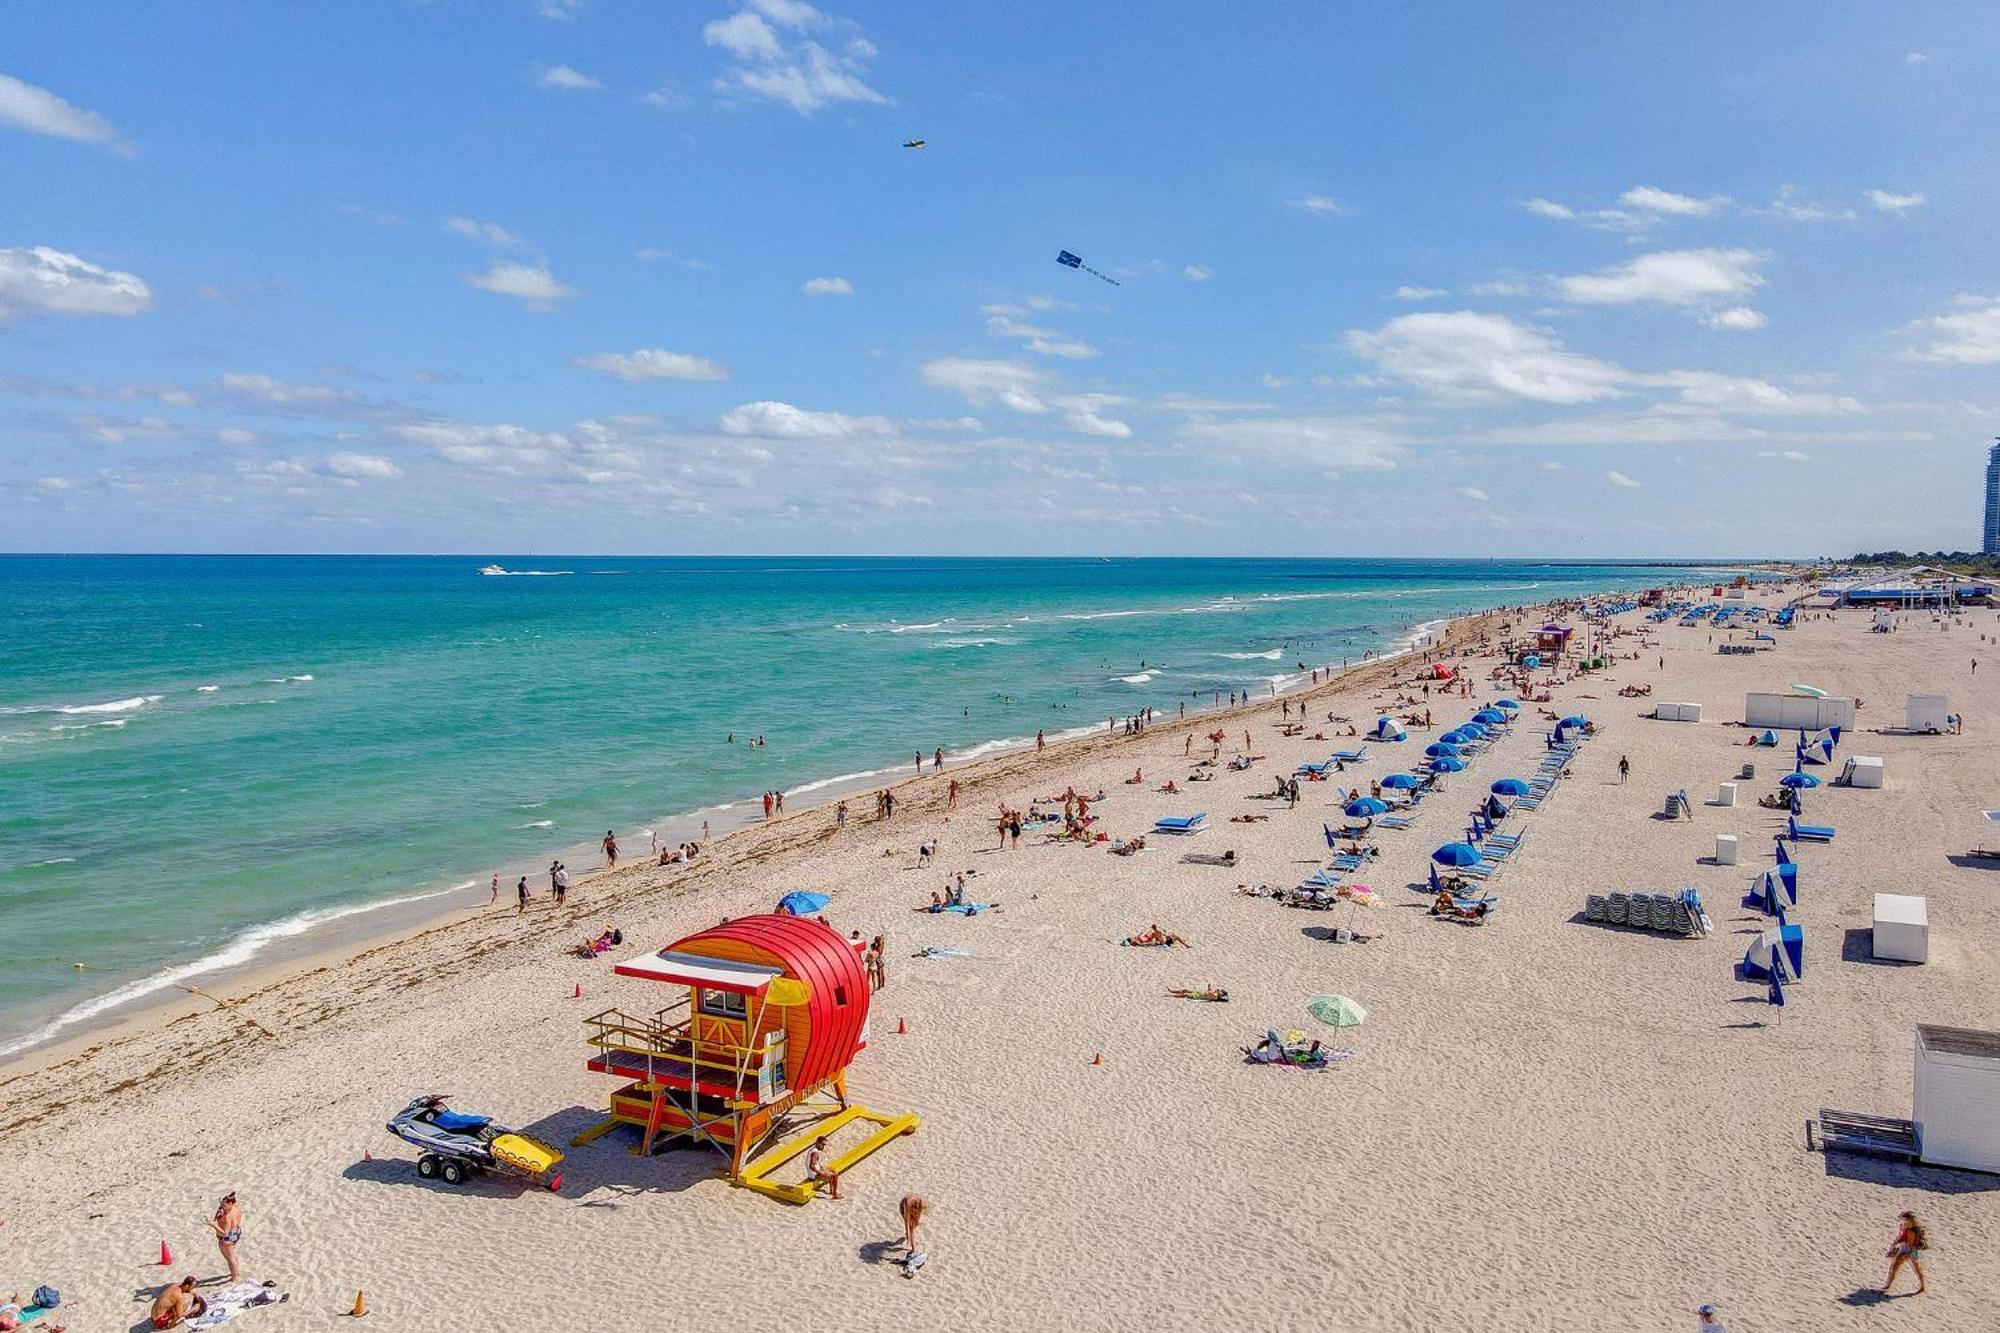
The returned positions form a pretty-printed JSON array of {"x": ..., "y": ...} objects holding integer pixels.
[{"x": 682, "y": 1054}]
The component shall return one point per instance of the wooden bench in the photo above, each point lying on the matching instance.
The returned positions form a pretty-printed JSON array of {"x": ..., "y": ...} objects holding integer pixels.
[{"x": 1850, "y": 1131}]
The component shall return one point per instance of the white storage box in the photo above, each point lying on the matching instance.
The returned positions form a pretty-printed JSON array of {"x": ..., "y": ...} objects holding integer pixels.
[
  {"x": 1725, "y": 793},
  {"x": 1725, "y": 849},
  {"x": 1864, "y": 770},
  {"x": 1902, "y": 927},
  {"x": 1956, "y": 1097},
  {"x": 1926, "y": 712}
]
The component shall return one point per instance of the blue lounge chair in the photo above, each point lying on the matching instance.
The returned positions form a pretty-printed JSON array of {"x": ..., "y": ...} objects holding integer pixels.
[
  {"x": 1395, "y": 822},
  {"x": 1808, "y": 832},
  {"x": 1349, "y": 756},
  {"x": 1181, "y": 823}
]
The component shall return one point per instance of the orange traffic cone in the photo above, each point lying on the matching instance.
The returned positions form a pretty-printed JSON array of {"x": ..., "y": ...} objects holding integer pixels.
[
  {"x": 1097, "y": 1059},
  {"x": 579, "y": 992},
  {"x": 367, "y": 1156},
  {"x": 166, "y": 1256},
  {"x": 901, "y": 1026},
  {"x": 360, "y": 1306}
]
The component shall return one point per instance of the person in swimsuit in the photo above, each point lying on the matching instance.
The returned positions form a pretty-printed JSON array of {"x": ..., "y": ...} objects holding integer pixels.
[
  {"x": 227, "y": 1224},
  {"x": 610, "y": 850},
  {"x": 912, "y": 1210},
  {"x": 817, "y": 1168},
  {"x": 1909, "y": 1243},
  {"x": 176, "y": 1304}
]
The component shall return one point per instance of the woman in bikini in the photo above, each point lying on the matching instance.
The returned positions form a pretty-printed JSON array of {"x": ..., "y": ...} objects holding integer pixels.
[
  {"x": 227, "y": 1224},
  {"x": 1909, "y": 1243}
]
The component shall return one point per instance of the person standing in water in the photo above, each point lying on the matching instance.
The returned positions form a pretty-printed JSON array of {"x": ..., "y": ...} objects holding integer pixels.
[
  {"x": 610, "y": 850},
  {"x": 521, "y": 896}
]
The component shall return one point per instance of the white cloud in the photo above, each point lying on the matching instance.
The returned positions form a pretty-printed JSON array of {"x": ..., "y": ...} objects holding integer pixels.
[
  {"x": 360, "y": 466},
  {"x": 667, "y": 97},
  {"x": 1070, "y": 349},
  {"x": 1319, "y": 204},
  {"x": 1915, "y": 58},
  {"x": 1617, "y": 478},
  {"x": 1473, "y": 493},
  {"x": 39, "y": 111},
  {"x": 1789, "y": 455},
  {"x": 1549, "y": 208},
  {"x": 1277, "y": 381},
  {"x": 1091, "y": 423},
  {"x": 1655, "y": 200},
  {"x": 562, "y": 76},
  {"x": 1467, "y": 353},
  {"x": 782, "y": 421},
  {"x": 532, "y": 283},
  {"x": 772, "y": 58},
  {"x": 1197, "y": 273},
  {"x": 1417, "y": 293},
  {"x": 56, "y": 484},
  {"x": 235, "y": 435},
  {"x": 1893, "y": 203},
  {"x": 373, "y": 216},
  {"x": 1740, "y": 318},
  {"x": 492, "y": 233},
  {"x": 268, "y": 391},
  {"x": 1002, "y": 321},
  {"x": 1498, "y": 287},
  {"x": 1740, "y": 393},
  {"x": 1668, "y": 277},
  {"x": 40, "y": 280},
  {"x": 653, "y": 363},
  {"x": 1321, "y": 442},
  {"x": 828, "y": 287},
  {"x": 1969, "y": 337},
  {"x": 562, "y": 11},
  {"x": 1550, "y": 465},
  {"x": 1012, "y": 384}
]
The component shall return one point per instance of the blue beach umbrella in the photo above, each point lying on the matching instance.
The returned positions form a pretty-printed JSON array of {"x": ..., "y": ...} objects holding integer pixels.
[
  {"x": 1531, "y": 661},
  {"x": 1511, "y": 705},
  {"x": 1574, "y": 720},
  {"x": 802, "y": 902},
  {"x": 1510, "y": 787},
  {"x": 1365, "y": 808},
  {"x": 1492, "y": 717},
  {"x": 1439, "y": 749},
  {"x": 1455, "y": 738},
  {"x": 1445, "y": 763},
  {"x": 1402, "y": 781},
  {"x": 1458, "y": 854},
  {"x": 1474, "y": 729},
  {"x": 1798, "y": 780}
]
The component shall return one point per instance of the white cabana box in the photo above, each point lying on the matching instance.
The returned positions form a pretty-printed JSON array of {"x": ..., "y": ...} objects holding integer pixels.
[
  {"x": 1863, "y": 770},
  {"x": 1725, "y": 848},
  {"x": 1927, "y": 712},
  {"x": 1902, "y": 927},
  {"x": 1956, "y": 1100},
  {"x": 1677, "y": 712},
  {"x": 1798, "y": 712}
]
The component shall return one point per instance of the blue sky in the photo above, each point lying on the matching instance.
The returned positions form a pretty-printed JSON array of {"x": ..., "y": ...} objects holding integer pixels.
[{"x": 600, "y": 275}]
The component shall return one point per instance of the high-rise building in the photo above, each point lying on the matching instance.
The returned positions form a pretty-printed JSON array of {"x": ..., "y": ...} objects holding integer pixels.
[{"x": 1992, "y": 543}]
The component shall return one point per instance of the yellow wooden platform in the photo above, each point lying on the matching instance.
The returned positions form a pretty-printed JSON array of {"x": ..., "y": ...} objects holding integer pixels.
[{"x": 755, "y": 1171}]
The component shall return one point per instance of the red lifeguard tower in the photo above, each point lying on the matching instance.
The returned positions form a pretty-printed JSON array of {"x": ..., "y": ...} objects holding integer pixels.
[{"x": 775, "y": 1008}]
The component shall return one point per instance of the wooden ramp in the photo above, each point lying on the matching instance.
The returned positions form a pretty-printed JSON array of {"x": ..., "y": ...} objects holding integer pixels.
[{"x": 755, "y": 1173}]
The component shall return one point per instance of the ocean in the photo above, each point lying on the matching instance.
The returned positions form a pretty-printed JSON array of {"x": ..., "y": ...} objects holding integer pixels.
[{"x": 210, "y": 760}]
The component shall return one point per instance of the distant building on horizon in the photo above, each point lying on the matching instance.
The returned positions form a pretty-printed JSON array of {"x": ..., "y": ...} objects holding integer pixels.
[{"x": 1991, "y": 544}]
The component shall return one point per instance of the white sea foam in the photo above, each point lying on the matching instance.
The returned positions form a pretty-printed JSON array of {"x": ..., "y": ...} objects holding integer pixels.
[
  {"x": 235, "y": 953},
  {"x": 285, "y": 680},
  {"x": 540, "y": 823},
  {"x": 969, "y": 643},
  {"x": 137, "y": 701},
  {"x": 51, "y": 861},
  {"x": 1271, "y": 656},
  {"x": 1140, "y": 678},
  {"x": 206, "y": 689},
  {"x": 89, "y": 726}
]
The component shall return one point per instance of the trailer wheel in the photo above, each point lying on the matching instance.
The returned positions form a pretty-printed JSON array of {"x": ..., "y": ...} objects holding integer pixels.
[
  {"x": 453, "y": 1173},
  {"x": 427, "y": 1166}
]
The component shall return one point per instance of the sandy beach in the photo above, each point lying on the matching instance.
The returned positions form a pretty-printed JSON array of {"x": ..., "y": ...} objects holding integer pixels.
[{"x": 1544, "y": 1124}]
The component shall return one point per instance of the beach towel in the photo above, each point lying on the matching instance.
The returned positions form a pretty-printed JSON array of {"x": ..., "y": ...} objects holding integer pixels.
[
  {"x": 941, "y": 951},
  {"x": 232, "y": 1300},
  {"x": 964, "y": 909}
]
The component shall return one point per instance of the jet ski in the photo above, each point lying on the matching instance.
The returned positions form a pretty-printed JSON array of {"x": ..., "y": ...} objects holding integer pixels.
[{"x": 455, "y": 1147}]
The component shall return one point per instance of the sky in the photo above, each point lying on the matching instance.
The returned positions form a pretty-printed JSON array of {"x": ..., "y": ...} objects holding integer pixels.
[{"x": 613, "y": 276}]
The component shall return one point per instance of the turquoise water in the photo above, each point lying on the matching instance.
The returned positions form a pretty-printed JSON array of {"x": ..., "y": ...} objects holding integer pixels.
[{"x": 202, "y": 758}]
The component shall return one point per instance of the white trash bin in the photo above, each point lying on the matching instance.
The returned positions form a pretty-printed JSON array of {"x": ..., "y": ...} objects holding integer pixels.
[{"x": 1725, "y": 849}]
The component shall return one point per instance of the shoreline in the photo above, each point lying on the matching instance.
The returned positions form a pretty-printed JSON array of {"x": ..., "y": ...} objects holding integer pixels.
[
  {"x": 172, "y": 1002},
  {"x": 324, "y": 941}
]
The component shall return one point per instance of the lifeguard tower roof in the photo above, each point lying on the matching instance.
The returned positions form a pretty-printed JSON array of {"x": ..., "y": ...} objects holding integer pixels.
[{"x": 687, "y": 969}]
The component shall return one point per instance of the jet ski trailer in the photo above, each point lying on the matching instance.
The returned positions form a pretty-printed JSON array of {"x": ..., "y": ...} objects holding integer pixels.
[{"x": 455, "y": 1147}]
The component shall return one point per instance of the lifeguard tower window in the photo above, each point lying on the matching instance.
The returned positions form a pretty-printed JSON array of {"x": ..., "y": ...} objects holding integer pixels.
[
  {"x": 840, "y": 995},
  {"x": 724, "y": 1004}
]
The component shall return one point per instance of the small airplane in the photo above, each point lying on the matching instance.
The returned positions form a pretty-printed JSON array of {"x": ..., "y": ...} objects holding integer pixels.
[{"x": 913, "y": 143}]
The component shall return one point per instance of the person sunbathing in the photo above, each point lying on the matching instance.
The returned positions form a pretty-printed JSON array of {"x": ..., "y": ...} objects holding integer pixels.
[
  {"x": 1137, "y": 778},
  {"x": 1201, "y": 777},
  {"x": 1169, "y": 789},
  {"x": 1130, "y": 846},
  {"x": 1213, "y": 994},
  {"x": 1153, "y": 936}
]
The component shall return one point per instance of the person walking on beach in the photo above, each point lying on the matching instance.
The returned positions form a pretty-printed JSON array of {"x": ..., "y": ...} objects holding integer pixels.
[
  {"x": 920, "y": 763},
  {"x": 779, "y": 797},
  {"x": 1910, "y": 1242},
  {"x": 937, "y": 759},
  {"x": 521, "y": 896},
  {"x": 840, "y": 815},
  {"x": 911, "y": 1208},
  {"x": 562, "y": 884},
  {"x": 1041, "y": 742},
  {"x": 1708, "y": 1322},
  {"x": 227, "y": 1224},
  {"x": 767, "y": 805},
  {"x": 878, "y": 968},
  {"x": 496, "y": 890},
  {"x": 1624, "y": 768},
  {"x": 552, "y": 881},
  {"x": 951, "y": 795},
  {"x": 610, "y": 850}
]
